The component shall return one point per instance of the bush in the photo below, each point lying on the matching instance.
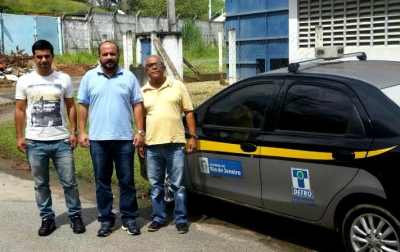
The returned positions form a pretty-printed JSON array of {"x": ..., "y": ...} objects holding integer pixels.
[{"x": 192, "y": 39}]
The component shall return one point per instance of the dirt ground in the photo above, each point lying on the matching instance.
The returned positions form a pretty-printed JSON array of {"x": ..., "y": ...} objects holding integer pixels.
[
  {"x": 19, "y": 62},
  {"x": 72, "y": 70}
]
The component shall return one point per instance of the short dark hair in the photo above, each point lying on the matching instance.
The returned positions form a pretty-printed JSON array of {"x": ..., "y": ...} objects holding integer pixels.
[
  {"x": 42, "y": 45},
  {"x": 107, "y": 41}
]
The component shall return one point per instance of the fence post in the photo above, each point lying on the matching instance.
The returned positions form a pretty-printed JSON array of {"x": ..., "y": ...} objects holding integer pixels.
[
  {"x": 138, "y": 51},
  {"x": 232, "y": 56},
  {"x": 220, "y": 40},
  {"x": 128, "y": 53},
  {"x": 89, "y": 30},
  {"x": 319, "y": 33}
]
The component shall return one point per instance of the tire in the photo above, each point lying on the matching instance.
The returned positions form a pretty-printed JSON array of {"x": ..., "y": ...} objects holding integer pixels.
[{"x": 370, "y": 228}]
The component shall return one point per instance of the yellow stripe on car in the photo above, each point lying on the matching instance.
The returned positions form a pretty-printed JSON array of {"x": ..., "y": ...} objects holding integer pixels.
[
  {"x": 378, "y": 152},
  {"x": 298, "y": 154},
  {"x": 204, "y": 145}
]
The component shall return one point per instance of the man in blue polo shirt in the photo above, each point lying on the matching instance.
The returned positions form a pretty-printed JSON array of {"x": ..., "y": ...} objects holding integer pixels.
[{"x": 112, "y": 93}]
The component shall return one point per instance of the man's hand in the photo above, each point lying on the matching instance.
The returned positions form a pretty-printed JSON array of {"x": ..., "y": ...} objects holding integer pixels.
[
  {"x": 21, "y": 144},
  {"x": 84, "y": 140},
  {"x": 141, "y": 152},
  {"x": 192, "y": 145},
  {"x": 138, "y": 141},
  {"x": 74, "y": 141}
]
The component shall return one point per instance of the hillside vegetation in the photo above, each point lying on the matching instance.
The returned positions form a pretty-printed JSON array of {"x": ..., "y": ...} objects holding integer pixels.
[{"x": 183, "y": 8}]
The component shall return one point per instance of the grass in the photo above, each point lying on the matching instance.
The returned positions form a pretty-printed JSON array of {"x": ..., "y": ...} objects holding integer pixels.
[
  {"x": 58, "y": 7},
  {"x": 51, "y": 7},
  {"x": 204, "y": 57},
  {"x": 77, "y": 58},
  {"x": 199, "y": 92}
]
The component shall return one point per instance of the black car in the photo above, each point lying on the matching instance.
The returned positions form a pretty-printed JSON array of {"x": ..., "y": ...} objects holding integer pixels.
[{"x": 316, "y": 142}]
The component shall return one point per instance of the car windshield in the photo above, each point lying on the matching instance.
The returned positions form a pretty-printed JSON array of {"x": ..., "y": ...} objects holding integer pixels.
[{"x": 393, "y": 93}]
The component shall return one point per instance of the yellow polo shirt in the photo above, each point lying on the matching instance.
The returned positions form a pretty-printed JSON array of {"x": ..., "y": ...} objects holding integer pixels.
[{"x": 164, "y": 108}]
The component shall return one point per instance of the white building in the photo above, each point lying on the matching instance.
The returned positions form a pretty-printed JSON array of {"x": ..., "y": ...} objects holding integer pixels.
[{"x": 370, "y": 26}]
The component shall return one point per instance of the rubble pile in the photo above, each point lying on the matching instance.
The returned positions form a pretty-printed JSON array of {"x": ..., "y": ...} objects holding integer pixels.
[
  {"x": 18, "y": 63},
  {"x": 14, "y": 65}
]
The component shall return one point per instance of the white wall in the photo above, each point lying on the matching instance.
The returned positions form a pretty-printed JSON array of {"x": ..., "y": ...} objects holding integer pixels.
[
  {"x": 390, "y": 52},
  {"x": 86, "y": 33}
]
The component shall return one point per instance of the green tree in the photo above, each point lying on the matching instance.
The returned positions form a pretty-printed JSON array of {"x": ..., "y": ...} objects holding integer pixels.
[
  {"x": 183, "y": 8},
  {"x": 191, "y": 8},
  {"x": 105, "y": 4},
  {"x": 153, "y": 8}
]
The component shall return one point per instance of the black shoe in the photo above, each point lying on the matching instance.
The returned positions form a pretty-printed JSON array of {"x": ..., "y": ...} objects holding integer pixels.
[
  {"x": 77, "y": 224},
  {"x": 131, "y": 228},
  {"x": 154, "y": 226},
  {"x": 48, "y": 226},
  {"x": 105, "y": 229},
  {"x": 182, "y": 228}
]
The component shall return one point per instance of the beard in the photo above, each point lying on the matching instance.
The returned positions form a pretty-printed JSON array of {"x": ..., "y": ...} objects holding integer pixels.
[{"x": 109, "y": 65}]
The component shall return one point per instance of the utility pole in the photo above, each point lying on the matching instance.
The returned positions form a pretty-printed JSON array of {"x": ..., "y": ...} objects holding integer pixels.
[
  {"x": 171, "y": 16},
  {"x": 209, "y": 9}
]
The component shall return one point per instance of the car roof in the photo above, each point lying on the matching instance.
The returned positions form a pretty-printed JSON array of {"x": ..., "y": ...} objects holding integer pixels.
[{"x": 380, "y": 73}]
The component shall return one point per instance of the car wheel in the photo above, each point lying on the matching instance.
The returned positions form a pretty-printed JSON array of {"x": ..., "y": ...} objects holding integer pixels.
[{"x": 370, "y": 228}]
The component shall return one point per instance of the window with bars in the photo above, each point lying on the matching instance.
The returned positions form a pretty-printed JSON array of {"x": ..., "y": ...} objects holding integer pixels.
[{"x": 349, "y": 22}]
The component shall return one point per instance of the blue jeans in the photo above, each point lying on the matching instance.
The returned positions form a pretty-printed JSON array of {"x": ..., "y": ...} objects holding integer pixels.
[
  {"x": 170, "y": 157},
  {"x": 60, "y": 152},
  {"x": 104, "y": 154}
]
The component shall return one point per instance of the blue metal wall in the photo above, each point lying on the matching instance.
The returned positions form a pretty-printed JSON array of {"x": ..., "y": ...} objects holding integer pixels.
[
  {"x": 23, "y": 31},
  {"x": 262, "y": 34}
]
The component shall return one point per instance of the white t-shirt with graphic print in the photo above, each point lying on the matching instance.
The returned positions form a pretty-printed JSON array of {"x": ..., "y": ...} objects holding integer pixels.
[{"x": 45, "y": 111}]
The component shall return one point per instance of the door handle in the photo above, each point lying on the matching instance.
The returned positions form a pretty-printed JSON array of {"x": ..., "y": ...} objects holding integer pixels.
[
  {"x": 248, "y": 147},
  {"x": 343, "y": 155}
]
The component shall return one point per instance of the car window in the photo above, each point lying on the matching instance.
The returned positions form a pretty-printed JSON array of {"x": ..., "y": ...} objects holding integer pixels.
[
  {"x": 244, "y": 107},
  {"x": 318, "y": 109},
  {"x": 393, "y": 93}
]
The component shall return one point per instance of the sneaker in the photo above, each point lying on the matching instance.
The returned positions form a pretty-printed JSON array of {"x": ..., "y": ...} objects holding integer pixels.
[
  {"x": 105, "y": 229},
  {"x": 48, "y": 226},
  {"x": 154, "y": 226},
  {"x": 131, "y": 228},
  {"x": 77, "y": 224},
  {"x": 182, "y": 228}
]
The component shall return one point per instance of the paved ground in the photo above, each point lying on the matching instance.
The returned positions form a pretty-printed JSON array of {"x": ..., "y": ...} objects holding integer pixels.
[{"x": 20, "y": 222}]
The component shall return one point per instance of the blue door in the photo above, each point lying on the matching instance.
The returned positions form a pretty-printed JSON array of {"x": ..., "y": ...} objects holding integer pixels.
[
  {"x": 23, "y": 30},
  {"x": 47, "y": 28},
  {"x": 17, "y": 31},
  {"x": 146, "y": 49}
]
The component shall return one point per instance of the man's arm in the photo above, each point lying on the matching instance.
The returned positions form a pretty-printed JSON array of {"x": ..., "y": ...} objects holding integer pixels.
[
  {"x": 71, "y": 113},
  {"x": 82, "y": 119},
  {"x": 192, "y": 131},
  {"x": 19, "y": 119},
  {"x": 138, "y": 113}
]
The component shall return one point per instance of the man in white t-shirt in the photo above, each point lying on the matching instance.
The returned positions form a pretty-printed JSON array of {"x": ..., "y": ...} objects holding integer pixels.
[{"x": 42, "y": 98}]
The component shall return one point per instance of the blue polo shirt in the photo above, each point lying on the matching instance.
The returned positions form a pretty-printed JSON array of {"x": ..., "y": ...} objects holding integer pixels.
[{"x": 110, "y": 103}]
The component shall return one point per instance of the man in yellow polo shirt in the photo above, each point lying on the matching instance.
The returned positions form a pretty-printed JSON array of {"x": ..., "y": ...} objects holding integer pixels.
[{"x": 165, "y": 100}]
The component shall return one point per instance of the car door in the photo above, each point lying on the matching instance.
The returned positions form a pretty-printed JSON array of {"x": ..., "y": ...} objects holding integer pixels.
[
  {"x": 226, "y": 163},
  {"x": 319, "y": 141}
]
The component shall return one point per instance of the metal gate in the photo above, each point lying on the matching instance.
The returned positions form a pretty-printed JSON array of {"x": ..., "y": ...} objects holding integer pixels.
[
  {"x": 21, "y": 31},
  {"x": 262, "y": 34}
]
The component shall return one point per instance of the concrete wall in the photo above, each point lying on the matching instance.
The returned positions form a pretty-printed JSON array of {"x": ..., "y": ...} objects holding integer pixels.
[{"x": 85, "y": 33}]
